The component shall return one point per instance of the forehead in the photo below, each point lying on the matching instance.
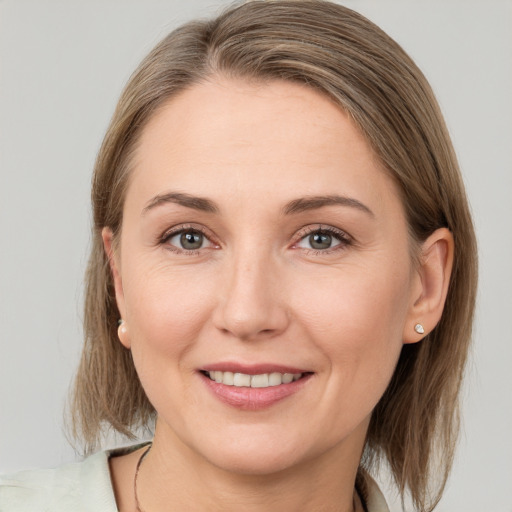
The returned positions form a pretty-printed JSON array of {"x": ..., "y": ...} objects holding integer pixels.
[{"x": 236, "y": 139}]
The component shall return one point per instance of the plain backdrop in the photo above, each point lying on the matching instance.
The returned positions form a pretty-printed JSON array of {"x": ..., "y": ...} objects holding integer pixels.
[{"x": 62, "y": 67}]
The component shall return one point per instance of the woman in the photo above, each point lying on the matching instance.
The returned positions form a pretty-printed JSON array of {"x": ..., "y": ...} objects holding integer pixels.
[{"x": 282, "y": 276}]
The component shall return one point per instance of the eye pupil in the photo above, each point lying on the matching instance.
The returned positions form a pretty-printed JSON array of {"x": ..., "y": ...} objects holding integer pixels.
[
  {"x": 191, "y": 240},
  {"x": 320, "y": 240}
]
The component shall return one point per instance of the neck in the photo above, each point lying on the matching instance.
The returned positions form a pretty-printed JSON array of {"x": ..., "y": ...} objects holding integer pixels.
[{"x": 173, "y": 473}]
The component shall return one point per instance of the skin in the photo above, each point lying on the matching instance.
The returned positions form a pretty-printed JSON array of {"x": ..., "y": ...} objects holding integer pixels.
[{"x": 257, "y": 292}]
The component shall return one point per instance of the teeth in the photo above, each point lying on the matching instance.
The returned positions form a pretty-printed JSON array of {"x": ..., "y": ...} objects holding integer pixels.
[
  {"x": 228, "y": 378},
  {"x": 242, "y": 380},
  {"x": 287, "y": 378},
  {"x": 263, "y": 380},
  {"x": 259, "y": 381},
  {"x": 274, "y": 379}
]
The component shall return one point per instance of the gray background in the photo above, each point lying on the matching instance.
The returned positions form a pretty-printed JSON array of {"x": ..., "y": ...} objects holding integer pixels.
[{"x": 62, "y": 66}]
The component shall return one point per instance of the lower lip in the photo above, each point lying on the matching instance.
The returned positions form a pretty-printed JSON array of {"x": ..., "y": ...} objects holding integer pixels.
[{"x": 253, "y": 399}]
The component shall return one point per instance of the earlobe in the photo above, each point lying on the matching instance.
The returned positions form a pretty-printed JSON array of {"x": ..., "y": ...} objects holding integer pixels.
[
  {"x": 113, "y": 260},
  {"x": 432, "y": 280}
]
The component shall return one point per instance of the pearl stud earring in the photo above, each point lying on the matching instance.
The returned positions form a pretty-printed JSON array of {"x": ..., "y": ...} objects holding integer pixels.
[
  {"x": 121, "y": 330},
  {"x": 419, "y": 329}
]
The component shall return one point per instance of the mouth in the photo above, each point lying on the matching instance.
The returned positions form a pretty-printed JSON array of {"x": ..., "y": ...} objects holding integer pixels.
[
  {"x": 253, "y": 387},
  {"x": 245, "y": 380}
]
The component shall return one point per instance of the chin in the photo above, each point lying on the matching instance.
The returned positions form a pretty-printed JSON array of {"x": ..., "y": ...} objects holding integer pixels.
[
  {"x": 248, "y": 464},
  {"x": 252, "y": 455}
]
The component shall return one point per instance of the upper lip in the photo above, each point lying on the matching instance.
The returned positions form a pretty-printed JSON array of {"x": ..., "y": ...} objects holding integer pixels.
[{"x": 252, "y": 369}]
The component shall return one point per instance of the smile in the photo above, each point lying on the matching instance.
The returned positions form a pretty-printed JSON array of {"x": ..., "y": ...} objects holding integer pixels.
[
  {"x": 244, "y": 380},
  {"x": 252, "y": 387}
]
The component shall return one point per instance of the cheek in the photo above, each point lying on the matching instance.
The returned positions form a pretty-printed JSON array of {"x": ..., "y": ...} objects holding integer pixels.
[
  {"x": 356, "y": 298},
  {"x": 357, "y": 321},
  {"x": 167, "y": 309}
]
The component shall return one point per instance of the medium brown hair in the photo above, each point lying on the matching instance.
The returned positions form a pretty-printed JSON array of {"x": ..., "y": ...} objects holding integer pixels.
[{"x": 346, "y": 57}]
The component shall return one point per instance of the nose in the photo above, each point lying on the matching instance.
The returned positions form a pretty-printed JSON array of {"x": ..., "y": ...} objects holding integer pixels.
[{"x": 251, "y": 301}]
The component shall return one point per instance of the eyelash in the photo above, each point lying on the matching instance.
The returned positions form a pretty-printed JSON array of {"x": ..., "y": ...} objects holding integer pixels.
[
  {"x": 344, "y": 239},
  {"x": 184, "y": 228}
]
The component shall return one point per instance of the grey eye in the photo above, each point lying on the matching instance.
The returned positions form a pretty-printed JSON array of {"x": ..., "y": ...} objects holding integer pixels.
[
  {"x": 320, "y": 240},
  {"x": 190, "y": 240}
]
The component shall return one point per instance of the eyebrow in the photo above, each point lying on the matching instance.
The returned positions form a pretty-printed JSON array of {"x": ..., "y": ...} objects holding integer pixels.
[
  {"x": 313, "y": 202},
  {"x": 187, "y": 200},
  {"x": 299, "y": 205}
]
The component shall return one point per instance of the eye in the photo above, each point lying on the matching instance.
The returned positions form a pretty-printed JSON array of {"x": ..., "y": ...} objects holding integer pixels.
[
  {"x": 319, "y": 241},
  {"x": 323, "y": 239},
  {"x": 187, "y": 239}
]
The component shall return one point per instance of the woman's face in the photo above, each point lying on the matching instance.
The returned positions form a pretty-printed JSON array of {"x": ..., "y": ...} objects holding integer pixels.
[{"x": 262, "y": 237}]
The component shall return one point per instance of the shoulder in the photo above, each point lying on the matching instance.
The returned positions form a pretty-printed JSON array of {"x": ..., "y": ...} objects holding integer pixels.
[{"x": 81, "y": 487}]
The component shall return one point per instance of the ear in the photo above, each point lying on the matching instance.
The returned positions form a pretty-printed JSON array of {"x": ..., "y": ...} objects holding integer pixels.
[
  {"x": 430, "y": 285},
  {"x": 113, "y": 260}
]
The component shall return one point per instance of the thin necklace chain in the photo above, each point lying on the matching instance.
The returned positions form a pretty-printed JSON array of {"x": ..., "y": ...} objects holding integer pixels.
[
  {"x": 139, "y": 463},
  {"x": 142, "y": 457}
]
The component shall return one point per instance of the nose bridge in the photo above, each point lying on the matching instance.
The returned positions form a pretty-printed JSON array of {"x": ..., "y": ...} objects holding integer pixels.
[{"x": 251, "y": 305}]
